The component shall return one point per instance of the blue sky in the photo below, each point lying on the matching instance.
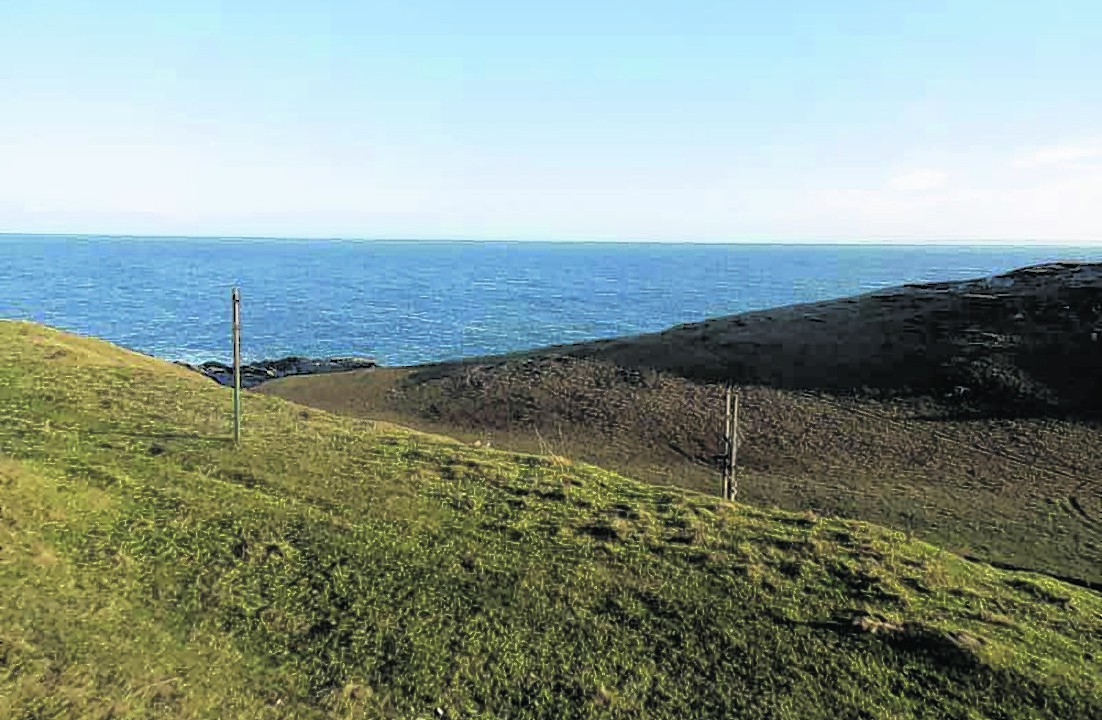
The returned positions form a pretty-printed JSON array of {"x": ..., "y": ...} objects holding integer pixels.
[{"x": 724, "y": 121}]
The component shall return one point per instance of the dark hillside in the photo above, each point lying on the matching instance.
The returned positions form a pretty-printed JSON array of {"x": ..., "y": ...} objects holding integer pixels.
[{"x": 1028, "y": 341}]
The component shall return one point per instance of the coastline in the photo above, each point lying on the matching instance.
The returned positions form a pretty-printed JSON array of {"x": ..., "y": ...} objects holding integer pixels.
[{"x": 253, "y": 374}]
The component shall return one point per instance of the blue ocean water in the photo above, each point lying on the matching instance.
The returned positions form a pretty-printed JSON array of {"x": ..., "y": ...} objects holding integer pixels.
[{"x": 408, "y": 302}]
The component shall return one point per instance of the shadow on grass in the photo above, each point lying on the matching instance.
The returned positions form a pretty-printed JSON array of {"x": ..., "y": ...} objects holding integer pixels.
[
  {"x": 223, "y": 439},
  {"x": 1083, "y": 418}
]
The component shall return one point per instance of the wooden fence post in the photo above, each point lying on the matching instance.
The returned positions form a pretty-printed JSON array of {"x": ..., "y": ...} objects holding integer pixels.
[
  {"x": 732, "y": 483},
  {"x": 725, "y": 489},
  {"x": 730, "y": 446},
  {"x": 236, "y": 299}
]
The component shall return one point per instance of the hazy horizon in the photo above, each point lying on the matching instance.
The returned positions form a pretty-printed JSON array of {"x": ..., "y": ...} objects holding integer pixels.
[{"x": 880, "y": 242}]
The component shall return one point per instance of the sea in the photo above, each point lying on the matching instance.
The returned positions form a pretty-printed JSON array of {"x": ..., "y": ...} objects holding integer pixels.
[{"x": 407, "y": 302}]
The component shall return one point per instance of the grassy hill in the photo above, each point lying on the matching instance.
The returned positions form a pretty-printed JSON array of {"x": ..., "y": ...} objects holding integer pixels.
[
  {"x": 1008, "y": 471},
  {"x": 334, "y": 567}
]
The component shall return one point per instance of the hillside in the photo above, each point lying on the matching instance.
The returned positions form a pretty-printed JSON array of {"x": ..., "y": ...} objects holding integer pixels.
[
  {"x": 1025, "y": 342},
  {"x": 333, "y": 567},
  {"x": 1005, "y": 479}
]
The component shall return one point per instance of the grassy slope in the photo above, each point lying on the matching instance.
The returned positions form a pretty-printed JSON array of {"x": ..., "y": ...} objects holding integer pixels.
[
  {"x": 1011, "y": 471},
  {"x": 1026, "y": 491},
  {"x": 337, "y": 567}
]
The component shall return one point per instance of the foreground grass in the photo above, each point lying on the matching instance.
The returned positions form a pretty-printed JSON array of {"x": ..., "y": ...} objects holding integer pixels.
[
  {"x": 1026, "y": 491},
  {"x": 330, "y": 567}
]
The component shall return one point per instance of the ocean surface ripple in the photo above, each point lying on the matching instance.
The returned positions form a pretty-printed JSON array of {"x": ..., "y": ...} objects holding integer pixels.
[{"x": 407, "y": 302}]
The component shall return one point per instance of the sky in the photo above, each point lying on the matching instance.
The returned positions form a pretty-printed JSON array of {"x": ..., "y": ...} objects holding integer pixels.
[{"x": 795, "y": 120}]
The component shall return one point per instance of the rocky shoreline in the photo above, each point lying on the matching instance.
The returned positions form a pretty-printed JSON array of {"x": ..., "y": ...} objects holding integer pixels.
[{"x": 253, "y": 374}]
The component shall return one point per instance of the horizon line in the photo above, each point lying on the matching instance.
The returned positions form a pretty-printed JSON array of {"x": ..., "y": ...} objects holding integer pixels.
[{"x": 908, "y": 242}]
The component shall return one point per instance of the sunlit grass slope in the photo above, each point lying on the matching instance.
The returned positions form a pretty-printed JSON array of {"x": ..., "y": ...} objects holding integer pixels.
[
  {"x": 330, "y": 567},
  {"x": 1023, "y": 491}
]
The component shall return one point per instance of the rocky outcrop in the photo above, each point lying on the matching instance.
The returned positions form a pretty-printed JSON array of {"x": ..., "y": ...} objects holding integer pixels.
[{"x": 253, "y": 374}]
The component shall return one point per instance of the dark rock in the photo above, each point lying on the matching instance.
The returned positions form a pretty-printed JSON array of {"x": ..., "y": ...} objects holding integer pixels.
[{"x": 253, "y": 374}]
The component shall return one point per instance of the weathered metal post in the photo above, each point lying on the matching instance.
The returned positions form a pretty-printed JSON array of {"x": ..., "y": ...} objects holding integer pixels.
[
  {"x": 732, "y": 483},
  {"x": 725, "y": 489},
  {"x": 236, "y": 298}
]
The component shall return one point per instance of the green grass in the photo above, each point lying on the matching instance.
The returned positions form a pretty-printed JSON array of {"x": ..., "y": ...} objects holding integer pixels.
[
  {"x": 1025, "y": 491},
  {"x": 334, "y": 567}
]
